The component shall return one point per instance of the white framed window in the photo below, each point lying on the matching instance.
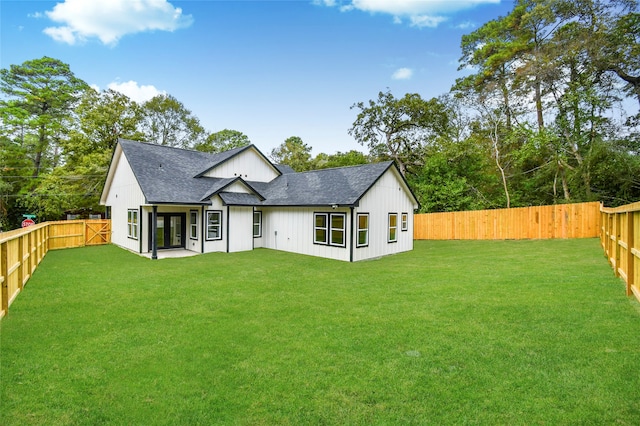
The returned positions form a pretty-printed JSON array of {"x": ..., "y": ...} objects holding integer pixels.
[
  {"x": 393, "y": 227},
  {"x": 362, "y": 230},
  {"x": 404, "y": 221},
  {"x": 193, "y": 225},
  {"x": 320, "y": 228},
  {"x": 338, "y": 229},
  {"x": 257, "y": 224},
  {"x": 214, "y": 225},
  {"x": 132, "y": 224},
  {"x": 330, "y": 229}
]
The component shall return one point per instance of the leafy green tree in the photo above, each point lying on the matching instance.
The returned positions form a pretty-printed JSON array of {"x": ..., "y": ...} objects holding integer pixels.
[
  {"x": 15, "y": 174},
  {"x": 610, "y": 33},
  {"x": 339, "y": 159},
  {"x": 224, "y": 140},
  {"x": 100, "y": 119},
  {"x": 399, "y": 128},
  {"x": 40, "y": 97},
  {"x": 168, "y": 122},
  {"x": 294, "y": 153}
]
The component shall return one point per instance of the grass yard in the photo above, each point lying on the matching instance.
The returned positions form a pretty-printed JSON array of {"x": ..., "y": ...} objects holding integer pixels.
[{"x": 506, "y": 332}]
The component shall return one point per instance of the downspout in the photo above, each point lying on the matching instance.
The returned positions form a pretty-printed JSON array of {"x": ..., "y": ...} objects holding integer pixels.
[
  {"x": 202, "y": 230},
  {"x": 140, "y": 228},
  {"x": 228, "y": 220},
  {"x": 352, "y": 236},
  {"x": 154, "y": 229}
]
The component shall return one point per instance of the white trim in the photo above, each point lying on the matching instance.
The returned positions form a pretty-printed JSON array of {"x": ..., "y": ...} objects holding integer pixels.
[
  {"x": 392, "y": 229},
  {"x": 359, "y": 230},
  {"x": 215, "y": 226}
]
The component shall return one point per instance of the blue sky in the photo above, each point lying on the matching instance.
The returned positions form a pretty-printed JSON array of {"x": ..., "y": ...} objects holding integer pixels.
[{"x": 270, "y": 69}]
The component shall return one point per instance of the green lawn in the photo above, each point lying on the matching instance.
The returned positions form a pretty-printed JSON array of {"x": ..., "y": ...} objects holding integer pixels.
[{"x": 508, "y": 332}]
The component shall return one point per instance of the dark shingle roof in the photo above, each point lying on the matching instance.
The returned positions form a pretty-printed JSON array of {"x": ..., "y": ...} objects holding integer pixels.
[
  {"x": 169, "y": 175},
  {"x": 239, "y": 199},
  {"x": 341, "y": 186},
  {"x": 284, "y": 169},
  {"x": 165, "y": 173}
]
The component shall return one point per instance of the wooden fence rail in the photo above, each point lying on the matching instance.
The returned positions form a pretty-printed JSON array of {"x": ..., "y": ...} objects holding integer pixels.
[
  {"x": 620, "y": 239},
  {"x": 22, "y": 250},
  {"x": 580, "y": 220}
]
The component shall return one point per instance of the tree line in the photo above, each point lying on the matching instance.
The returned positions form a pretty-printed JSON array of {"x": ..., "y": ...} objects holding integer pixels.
[{"x": 541, "y": 117}]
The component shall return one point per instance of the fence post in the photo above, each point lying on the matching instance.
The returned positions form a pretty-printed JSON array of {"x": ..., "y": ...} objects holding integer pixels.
[
  {"x": 616, "y": 253},
  {"x": 630, "y": 255},
  {"x": 21, "y": 262},
  {"x": 4, "y": 273}
]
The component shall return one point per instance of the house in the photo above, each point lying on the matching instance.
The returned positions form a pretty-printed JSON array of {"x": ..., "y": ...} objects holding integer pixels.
[{"x": 161, "y": 197}]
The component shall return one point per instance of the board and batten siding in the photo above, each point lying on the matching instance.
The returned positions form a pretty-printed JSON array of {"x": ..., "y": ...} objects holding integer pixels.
[
  {"x": 237, "y": 187},
  {"x": 248, "y": 165},
  {"x": 388, "y": 195},
  {"x": 240, "y": 229},
  {"x": 124, "y": 194},
  {"x": 291, "y": 229}
]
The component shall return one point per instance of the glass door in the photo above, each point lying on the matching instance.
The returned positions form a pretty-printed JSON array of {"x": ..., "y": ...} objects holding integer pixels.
[
  {"x": 175, "y": 231},
  {"x": 170, "y": 230},
  {"x": 160, "y": 231}
]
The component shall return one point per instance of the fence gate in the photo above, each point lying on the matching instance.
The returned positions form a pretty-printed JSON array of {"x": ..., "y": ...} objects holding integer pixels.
[{"x": 97, "y": 232}]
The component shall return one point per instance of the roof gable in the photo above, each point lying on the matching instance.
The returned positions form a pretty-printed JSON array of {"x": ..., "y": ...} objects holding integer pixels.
[
  {"x": 247, "y": 162},
  {"x": 227, "y": 186}
]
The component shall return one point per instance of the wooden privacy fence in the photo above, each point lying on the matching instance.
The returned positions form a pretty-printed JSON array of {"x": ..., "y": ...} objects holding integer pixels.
[
  {"x": 620, "y": 238},
  {"x": 22, "y": 250},
  {"x": 580, "y": 220}
]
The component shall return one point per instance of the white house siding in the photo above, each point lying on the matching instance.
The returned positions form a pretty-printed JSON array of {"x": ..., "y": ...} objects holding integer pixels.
[
  {"x": 124, "y": 194},
  {"x": 240, "y": 228},
  {"x": 248, "y": 165},
  {"x": 237, "y": 187},
  {"x": 291, "y": 229},
  {"x": 388, "y": 195}
]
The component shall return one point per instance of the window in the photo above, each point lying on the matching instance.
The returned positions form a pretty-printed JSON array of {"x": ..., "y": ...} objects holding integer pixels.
[
  {"x": 337, "y": 230},
  {"x": 132, "y": 224},
  {"x": 193, "y": 234},
  {"x": 404, "y": 221},
  {"x": 330, "y": 229},
  {"x": 320, "y": 228},
  {"x": 393, "y": 227},
  {"x": 363, "y": 230},
  {"x": 257, "y": 224},
  {"x": 214, "y": 225}
]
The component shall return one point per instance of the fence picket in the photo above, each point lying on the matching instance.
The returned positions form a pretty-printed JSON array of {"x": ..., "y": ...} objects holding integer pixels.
[{"x": 539, "y": 222}]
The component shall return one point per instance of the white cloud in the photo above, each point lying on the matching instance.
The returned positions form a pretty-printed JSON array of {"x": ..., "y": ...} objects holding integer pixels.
[
  {"x": 465, "y": 25},
  {"x": 109, "y": 20},
  {"x": 422, "y": 21},
  {"x": 135, "y": 92},
  {"x": 402, "y": 74},
  {"x": 420, "y": 13},
  {"x": 324, "y": 2}
]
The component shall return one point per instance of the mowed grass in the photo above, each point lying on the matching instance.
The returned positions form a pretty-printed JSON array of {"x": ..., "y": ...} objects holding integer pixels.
[{"x": 506, "y": 332}]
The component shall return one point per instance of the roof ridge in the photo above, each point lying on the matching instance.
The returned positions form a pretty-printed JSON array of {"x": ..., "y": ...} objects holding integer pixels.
[
  {"x": 345, "y": 167},
  {"x": 210, "y": 154}
]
